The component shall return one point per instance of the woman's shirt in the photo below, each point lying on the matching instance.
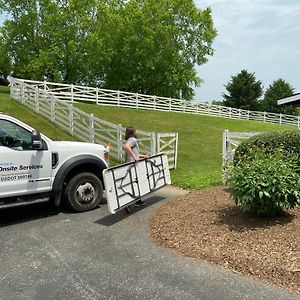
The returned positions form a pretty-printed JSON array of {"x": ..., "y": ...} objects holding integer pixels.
[{"x": 132, "y": 141}]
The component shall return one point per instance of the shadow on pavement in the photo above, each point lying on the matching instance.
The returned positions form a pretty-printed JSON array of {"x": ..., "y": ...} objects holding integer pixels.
[
  {"x": 22, "y": 214},
  {"x": 110, "y": 220}
]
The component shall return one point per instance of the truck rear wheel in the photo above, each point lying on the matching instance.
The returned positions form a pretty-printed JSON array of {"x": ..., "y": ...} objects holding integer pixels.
[{"x": 84, "y": 192}]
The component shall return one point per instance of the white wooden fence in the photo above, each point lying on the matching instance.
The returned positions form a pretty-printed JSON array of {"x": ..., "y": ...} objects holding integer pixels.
[
  {"x": 230, "y": 142},
  {"x": 132, "y": 100},
  {"x": 86, "y": 127}
]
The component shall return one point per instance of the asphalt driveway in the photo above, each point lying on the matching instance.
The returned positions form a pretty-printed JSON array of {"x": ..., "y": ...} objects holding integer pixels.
[{"x": 59, "y": 255}]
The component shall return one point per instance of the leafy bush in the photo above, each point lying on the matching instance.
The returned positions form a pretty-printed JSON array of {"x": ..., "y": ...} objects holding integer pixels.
[
  {"x": 266, "y": 185},
  {"x": 288, "y": 142}
]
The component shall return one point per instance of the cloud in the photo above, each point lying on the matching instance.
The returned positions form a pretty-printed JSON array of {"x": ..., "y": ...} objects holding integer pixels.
[{"x": 260, "y": 36}]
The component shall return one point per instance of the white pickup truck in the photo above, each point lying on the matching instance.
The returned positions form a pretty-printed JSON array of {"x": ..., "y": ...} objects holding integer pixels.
[{"x": 34, "y": 169}]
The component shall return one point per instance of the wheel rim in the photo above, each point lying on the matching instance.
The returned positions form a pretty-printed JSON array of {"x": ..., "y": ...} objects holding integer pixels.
[{"x": 85, "y": 193}]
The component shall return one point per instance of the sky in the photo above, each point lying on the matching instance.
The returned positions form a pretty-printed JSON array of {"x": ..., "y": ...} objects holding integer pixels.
[
  {"x": 2, "y": 18},
  {"x": 260, "y": 36}
]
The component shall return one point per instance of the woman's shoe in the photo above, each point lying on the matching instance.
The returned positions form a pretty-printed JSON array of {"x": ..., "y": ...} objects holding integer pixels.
[{"x": 139, "y": 203}]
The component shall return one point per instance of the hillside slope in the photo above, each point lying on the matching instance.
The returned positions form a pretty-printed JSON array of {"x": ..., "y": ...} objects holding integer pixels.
[
  {"x": 18, "y": 111},
  {"x": 200, "y": 137}
]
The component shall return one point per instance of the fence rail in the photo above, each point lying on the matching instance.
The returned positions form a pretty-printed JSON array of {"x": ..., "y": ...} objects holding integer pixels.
[
  {"x": 99, "y": 96},
  {"x": 86, "y": 127}
]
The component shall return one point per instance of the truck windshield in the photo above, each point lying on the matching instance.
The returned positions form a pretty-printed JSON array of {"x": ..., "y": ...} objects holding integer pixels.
[{"x": 14, "y": 136}]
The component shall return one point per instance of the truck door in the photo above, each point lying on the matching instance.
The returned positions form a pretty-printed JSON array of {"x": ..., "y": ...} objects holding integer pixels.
[{"x": 22, "y": 169}]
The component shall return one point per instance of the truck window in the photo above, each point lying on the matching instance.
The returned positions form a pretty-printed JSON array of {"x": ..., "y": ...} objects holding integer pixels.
[{"x": 14, "y": 136}]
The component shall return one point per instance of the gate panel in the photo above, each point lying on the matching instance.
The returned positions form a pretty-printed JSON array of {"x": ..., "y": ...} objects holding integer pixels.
[
  {"x": 231, "y": 140},
  {"x": 168, "y": 143}
]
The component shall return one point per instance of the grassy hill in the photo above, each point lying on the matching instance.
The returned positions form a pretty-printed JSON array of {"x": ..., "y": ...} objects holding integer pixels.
[
  {"x": 18, "y": 111},
  {"x": 200, "y": 137}
]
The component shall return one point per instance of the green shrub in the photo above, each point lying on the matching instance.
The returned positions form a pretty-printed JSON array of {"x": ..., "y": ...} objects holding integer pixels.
[
  {"x": 288, "y": 142},
  {"x": 266, "y": 185}
]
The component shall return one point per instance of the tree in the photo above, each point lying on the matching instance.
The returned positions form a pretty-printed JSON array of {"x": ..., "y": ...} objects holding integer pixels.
[
  {"x": 277, "y": 90},
  {"x": 50, "y": 39},
  {"x": 144, "y": 46},
  {"x": 244, "y": 91},
  {"x": 5, "y": 67},
  {"x": 158, "y": 44},
  {"x": 217, "y": 102}
]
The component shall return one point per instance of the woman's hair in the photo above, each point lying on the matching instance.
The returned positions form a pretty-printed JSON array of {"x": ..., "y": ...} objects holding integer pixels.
[{"x": 130, "y": 132}]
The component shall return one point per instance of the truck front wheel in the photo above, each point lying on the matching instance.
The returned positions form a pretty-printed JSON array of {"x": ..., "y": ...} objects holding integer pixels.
[{"x": 84, "y": 192}]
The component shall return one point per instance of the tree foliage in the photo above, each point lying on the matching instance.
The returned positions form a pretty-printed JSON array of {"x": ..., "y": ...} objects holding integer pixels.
[
  {"x": 244, "y": 91},
  {"x": 277, "y": 90},
  {"x": 144, "y": 46},
  {"x": 4, "y": 58},
  {"x": 49, "y": 39}
]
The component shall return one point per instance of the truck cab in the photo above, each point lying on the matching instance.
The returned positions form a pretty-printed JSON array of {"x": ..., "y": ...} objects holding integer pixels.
[{"x": 34, "y": 168}]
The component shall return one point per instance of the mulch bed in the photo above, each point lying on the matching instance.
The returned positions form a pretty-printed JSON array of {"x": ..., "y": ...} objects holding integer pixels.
[{"x": 206, "y": 224}]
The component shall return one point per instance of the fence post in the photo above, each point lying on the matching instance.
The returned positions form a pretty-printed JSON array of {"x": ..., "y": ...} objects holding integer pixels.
[
  {"x": 264, "y": 117},
  {"x": 97, "y": 95},
  {"x": 248, "y": 113},
  {"x": 120, "y": 143},
  {"x": 240, "y": 113},
  {"x": 176, "y": 150},
  {"x": 158, "y": 143},
  {"x": 36, "y": 99},
  {"x": 11, "y": 88},
  {"x": 154, "y": 102},
  {"x": 154, "y": 143},
  {"x": 71, "y": 120},
  {"x": 136, "y": 100},
  {"x": 229, "y": 112},
  {"x": 52, "y": 109},
  {"x": 45, "y": 86},
  {"x": 72, "y": 91},
  {"x": 91, "y": 127},
  {"x": 280, "y": 117},
  {"x": 118, "y": 98},
  {"x": 298, "y": 122},
  {"x": 224, "y": 155},
  {"x": 170, "y": 104},
  {"x": 22, "y": 93}
]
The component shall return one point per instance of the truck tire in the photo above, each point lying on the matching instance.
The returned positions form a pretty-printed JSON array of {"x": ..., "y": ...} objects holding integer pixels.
[{"x": 84, "y": 192}]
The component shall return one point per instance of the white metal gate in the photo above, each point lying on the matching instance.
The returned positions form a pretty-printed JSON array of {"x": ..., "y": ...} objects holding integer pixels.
[
  {"x": 230, "y": 142},
  {"x": 167, "y": 143}
]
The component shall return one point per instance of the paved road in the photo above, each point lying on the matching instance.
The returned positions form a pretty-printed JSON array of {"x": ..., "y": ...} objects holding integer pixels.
[{"x": 93, "y": 255}]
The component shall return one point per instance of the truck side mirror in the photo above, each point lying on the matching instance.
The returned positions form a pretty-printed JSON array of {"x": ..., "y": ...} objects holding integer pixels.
[{"x": 36, "y": 140}]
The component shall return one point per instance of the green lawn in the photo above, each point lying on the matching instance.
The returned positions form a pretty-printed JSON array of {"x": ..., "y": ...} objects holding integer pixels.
[
  {"x": 200, "y": 137},
  {"x": 18, "y": 111}
]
